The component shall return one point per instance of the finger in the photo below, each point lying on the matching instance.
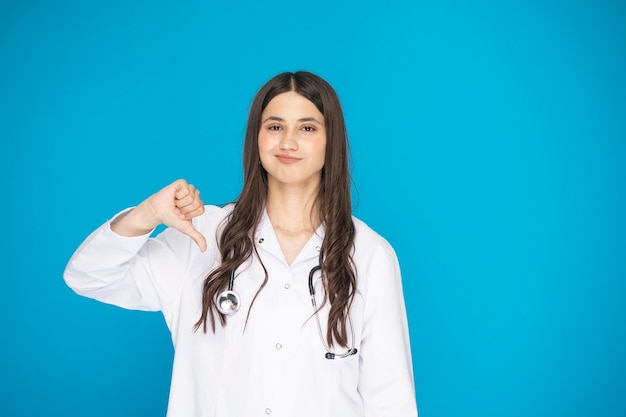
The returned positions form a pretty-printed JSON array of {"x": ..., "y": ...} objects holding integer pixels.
[
  {"x": 190, "y": 203},
  {"x": 185, "y": 201},
  {"x": 184, "y": 190},
  {"x": 190, "y": 199},
  {"x": 194, "y": 234},
  {"x": 188, "y": 215},
  {"x": 190, "y": 211},
  {"x": 179, "y": 185}
]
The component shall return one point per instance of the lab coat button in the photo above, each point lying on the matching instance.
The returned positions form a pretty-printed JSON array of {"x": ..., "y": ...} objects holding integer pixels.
[
  {"x": 278, "y": 346},
  {"x": 261, "y": 240},
  {"x": 317, "y": 248},
  {"x": 287, "y": 286},
  {"x": 268, "y": 411}
]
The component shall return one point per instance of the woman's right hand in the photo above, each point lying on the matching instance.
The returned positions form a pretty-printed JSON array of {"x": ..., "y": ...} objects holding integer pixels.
[{"x": 174, "y": 206}]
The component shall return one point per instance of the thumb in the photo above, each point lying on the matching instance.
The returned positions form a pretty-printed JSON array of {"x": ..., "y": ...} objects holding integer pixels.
[{"x": 194, "y": 234}]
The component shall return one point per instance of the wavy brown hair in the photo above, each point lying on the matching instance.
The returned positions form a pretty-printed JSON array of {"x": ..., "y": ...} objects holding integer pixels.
[{"x": 235, "y": 241}]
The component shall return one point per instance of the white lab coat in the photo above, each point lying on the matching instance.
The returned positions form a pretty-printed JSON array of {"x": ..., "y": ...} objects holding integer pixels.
[{"x": 274, "y": 364}]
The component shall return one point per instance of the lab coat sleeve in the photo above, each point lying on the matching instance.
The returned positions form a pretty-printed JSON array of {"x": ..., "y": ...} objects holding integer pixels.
[
  {"x": 139, "y": 273},
  {"x": 386, "y": 380}
]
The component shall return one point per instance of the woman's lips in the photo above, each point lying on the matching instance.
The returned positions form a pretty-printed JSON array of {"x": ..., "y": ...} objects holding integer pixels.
[{"x": 286, "y": 159}]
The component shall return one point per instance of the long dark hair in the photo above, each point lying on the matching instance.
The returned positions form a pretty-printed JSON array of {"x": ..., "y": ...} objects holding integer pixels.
[{"x": 333, "y": 201}]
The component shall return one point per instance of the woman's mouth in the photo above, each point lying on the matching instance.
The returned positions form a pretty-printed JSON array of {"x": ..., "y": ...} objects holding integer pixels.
[{"x": 287, "y": 159}]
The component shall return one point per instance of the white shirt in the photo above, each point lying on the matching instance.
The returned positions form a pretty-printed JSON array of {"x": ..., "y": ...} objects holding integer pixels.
[{"x": 274, "y": 364}]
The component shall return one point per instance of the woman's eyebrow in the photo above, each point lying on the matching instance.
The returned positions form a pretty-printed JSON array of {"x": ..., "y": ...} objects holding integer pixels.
[
  {"x": 304, "y": 119},
  {"x": 310, "y": 119},
  {"x": 273, "y": 118}
]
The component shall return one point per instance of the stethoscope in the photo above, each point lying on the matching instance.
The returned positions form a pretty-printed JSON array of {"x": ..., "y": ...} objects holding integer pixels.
[{"x": 228, "y": 302}]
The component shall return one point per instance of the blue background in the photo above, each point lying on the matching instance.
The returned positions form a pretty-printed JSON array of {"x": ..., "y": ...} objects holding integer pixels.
[{"x": 489, "y": 147}]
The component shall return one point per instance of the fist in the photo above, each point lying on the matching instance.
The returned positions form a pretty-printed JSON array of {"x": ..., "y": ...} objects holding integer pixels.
[{"x": 175, "y": 206}]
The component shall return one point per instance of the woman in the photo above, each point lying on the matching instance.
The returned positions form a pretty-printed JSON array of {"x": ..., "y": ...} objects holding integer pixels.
[{"x": 281, "y": 303}]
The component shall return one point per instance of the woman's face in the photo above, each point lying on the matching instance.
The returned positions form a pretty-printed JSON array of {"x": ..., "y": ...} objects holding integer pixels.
[{"x": 292, "y": 141}]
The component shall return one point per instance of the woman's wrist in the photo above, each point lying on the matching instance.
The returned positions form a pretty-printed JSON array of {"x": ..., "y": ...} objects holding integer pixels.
[{"x": 136, "y": 222}]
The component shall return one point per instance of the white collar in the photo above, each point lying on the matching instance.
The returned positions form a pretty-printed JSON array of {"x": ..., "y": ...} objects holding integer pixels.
[{"x": 265, "y": 240}]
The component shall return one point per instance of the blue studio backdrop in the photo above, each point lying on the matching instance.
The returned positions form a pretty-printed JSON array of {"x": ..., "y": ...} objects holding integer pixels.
[{"x": 489, "y": 147}]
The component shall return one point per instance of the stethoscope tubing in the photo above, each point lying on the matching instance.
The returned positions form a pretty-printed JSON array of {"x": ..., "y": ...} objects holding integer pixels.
[
  {"x": 228, "y": 302},
  {"x": 329, "y": 354}
]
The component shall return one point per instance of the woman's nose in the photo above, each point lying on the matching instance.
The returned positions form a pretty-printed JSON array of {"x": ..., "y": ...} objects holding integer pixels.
[{"x": 288, "y": 141}]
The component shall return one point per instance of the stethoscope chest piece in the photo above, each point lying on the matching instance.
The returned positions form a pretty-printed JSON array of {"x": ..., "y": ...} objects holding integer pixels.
[{"x": 228, "y": 302}]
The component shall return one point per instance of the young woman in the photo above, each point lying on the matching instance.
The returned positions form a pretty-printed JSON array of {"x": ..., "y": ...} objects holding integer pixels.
[{"x": 281, "y": 303}]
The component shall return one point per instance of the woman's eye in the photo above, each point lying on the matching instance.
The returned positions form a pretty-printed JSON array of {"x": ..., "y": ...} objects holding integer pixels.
[
  {"x": 273, "y": 127},
  {"x": 308, "y": 128}
]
